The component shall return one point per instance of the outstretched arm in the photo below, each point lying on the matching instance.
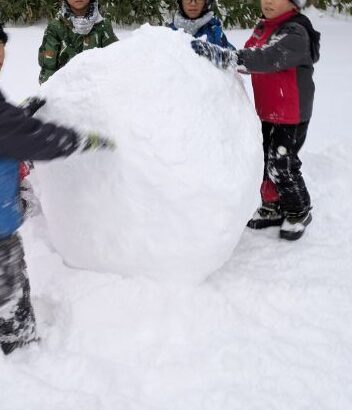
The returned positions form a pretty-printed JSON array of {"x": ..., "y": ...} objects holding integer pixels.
[
  {"x": 25, "y": 138},
  {"x": 288, "y": 49}
]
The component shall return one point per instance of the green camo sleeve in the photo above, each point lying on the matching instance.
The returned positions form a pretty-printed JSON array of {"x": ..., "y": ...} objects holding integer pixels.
[
  {"x": 109, "y": 36},
  {"x": 48, "y": 52}
]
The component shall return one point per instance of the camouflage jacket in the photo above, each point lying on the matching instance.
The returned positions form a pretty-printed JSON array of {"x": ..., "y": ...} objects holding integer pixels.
[{"x": 60, "y": 44}]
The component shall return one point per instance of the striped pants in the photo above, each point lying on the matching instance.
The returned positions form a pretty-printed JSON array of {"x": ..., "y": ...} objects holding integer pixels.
[{"x": 17, "y": 321}]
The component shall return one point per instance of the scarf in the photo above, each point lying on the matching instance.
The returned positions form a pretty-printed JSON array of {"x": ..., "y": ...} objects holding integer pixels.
[
  {"x": 192, "y": 26},
  {"x": 82, "y": 24}
]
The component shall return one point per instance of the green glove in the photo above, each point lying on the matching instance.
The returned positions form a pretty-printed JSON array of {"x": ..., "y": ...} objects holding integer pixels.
[{"x": 93, "y": 142}]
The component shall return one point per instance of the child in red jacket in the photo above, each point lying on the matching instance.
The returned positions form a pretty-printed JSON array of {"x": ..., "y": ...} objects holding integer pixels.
[{"x": 279, "y": 55}]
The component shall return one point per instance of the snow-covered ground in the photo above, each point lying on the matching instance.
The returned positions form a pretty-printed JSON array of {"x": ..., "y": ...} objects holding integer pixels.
[{"x": 270, "y": 330}]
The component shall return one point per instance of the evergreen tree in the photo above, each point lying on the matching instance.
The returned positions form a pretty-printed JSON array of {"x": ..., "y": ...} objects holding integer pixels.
[
  {"x": 27, "y": 11},
  {"x": 233, "y": 13}
]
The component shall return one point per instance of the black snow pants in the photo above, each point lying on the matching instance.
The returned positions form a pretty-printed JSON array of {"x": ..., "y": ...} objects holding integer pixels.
[
  {"x": 17, "y": 321},
  {"x": 281, "y": 145}
]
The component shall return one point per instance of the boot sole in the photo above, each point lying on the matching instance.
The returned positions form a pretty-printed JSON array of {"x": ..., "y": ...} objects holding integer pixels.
[
  {"x": 264, "y": 223},
  {"x": 293, "y": 236}
]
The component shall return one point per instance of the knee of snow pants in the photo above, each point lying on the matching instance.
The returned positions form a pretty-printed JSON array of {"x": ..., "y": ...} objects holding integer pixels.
[
  {"x": 283, "y": 165},
  {"x": 284, "y": 169}
]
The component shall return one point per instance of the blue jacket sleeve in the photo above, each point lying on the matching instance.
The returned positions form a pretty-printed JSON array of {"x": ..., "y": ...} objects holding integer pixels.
[
  {"x": 225, "y": 43},
  {"x": 215, "y": 34}
]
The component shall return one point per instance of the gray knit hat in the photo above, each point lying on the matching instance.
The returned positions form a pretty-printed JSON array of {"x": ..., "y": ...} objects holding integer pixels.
[{"x": 299, "y": 3}]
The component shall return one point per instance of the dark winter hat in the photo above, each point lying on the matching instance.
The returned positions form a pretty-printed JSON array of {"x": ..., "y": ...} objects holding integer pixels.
[
  {"x": 3, "y": 35},
  {"x": 299, "y": 3},
  {"x": 207, "y": 6}
]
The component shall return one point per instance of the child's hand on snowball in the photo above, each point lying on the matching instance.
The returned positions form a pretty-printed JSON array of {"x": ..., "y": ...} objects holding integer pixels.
[
  {"x": 220, "y": 57},
  {"x": 93, "y": 141}
]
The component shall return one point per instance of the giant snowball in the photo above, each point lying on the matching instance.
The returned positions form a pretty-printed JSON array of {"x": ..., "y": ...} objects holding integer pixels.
[{"x": 173, "y": 200}]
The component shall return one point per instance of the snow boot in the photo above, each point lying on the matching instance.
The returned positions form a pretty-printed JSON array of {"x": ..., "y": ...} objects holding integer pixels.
[
  {"x": 293, "y": 227},
  {"x": 267, "y": 215}
]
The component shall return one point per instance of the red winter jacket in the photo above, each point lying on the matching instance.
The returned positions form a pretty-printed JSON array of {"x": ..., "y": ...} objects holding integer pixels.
[{"x": 280, "y": 56}]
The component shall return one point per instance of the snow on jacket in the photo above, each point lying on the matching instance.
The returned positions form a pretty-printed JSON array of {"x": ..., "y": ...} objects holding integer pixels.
[
  {"x": 60, "y": 44},
  {"x": 280, "y": 55},
  {"x": 23, "y": 138},
  {"x": 213, "y": 32}
]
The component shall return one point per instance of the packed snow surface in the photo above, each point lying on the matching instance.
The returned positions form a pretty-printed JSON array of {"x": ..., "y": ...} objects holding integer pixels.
[
  {"x": 271, "y": 330},
  {"x": 174, "y": 198}
]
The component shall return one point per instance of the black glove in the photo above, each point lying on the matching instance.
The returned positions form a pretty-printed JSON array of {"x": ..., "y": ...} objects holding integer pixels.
[
  {"x": 31, "y": 105},
  {"x": 93, "y": 141},
  {"x": 220, "y": 57}
]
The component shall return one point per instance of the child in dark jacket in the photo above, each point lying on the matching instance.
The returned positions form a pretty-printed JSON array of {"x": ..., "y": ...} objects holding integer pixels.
[
  {"x": 24, "y": 138},
  {"x": 280, "y": 56},
  {"x": 196, "y": 18},
  {"x": 77, "y": 27}
]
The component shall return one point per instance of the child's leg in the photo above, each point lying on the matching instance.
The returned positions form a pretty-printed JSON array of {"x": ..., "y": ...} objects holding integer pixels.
[
  {"x": 284, "y": 166},
  {"x": 269, "y": 213},
  {"x": 268, "y": 189},
  {"x": 267, "y": 128},
  {"x": 17, "y": 321}
]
